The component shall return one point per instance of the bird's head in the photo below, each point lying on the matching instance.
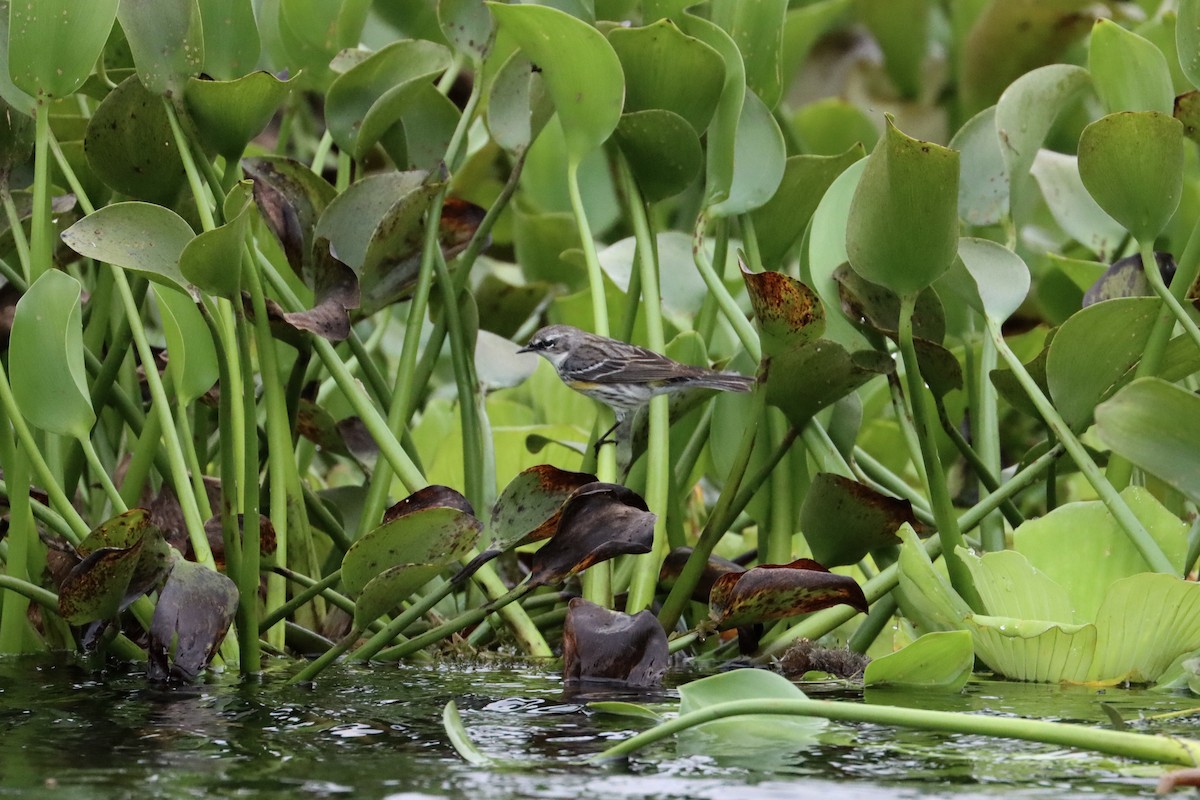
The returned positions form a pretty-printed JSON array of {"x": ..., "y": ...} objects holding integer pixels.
[{"x": 554, "y": 342}]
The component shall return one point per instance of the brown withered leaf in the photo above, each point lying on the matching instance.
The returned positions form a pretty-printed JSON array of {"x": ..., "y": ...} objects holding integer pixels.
[
  {"x": 599, "y": 521},
  {"x": 608, "y": 646},
  {"x": 529, "y": 508},
  {"x": 774, "y": 591},
  {"x": 787, "y": 312},
  {"x": 434, "y": 496},
  {"x": 715, "y": 567},
  {"x": 843, "y": 519},
  {"x": 291, "y": 198},
  {"x": 195, "y": 609}
]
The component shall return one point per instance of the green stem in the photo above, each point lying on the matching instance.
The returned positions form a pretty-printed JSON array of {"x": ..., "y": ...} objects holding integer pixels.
[
  {"x": 203, "y": 209},
  {"x": 1147, "y": 747},
  {"x": 321, "y": 588},
  {"x": 1112, "y": 500},
  {"x": 101, "y": 475},
  {"x": 939, "y": 494},
  {"x": 982, "y": 472},
  {"x": 716, "y": 288},
  {"x": 41, "y": 248},
  {"x": 20, "y": 243},
  {"x": 985, "y": 435}
]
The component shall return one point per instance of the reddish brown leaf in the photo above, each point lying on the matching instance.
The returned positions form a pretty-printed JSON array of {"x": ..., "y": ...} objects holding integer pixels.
[
  {"x": 788, "y": 313},
  {"x": 529, "y": 508},
  {"x": 603, "y": 645},
  {"x": 430, "y": 497},
  {"x": 713, "y": 569},
  {"x": 774, "y": 591}
]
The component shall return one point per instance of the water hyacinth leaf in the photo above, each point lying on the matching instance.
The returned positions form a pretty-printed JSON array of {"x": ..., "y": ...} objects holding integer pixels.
[
  {"x": 430, "y": 497},
  {"x": 1132, "y": 163},
  {"x": 599, "y": 521},
  {"x": 619, "y": 708},
  {"x": 877, "y": 309},
  {"x": 1125, "y": 277},
  {"x": 1081, "y": 547},
  {"x": 130, "y": 147},
  {"x": 1034, "y": 650},
  {"x": 213, "y": 260},
  {"x": 757, "y": 29},
  {"x": 780, "y": 222},
  {"x": 231, "y": 42},
  {"x": 1187, "y": 111},
  {"x": 994, "y": 280},
  {"x": 722, "y": 131},
  {"x": 123, "y": 531},
  {"x": 580, "y": 69},
  {"x": 143, "y": 238},
  {"x": 1010, "y": 586},
  {"x": 608, "y": 646},
  {"x": 415, "y": 538},
  {"x": 669, "y": 70},
  {"x": 335, "y": 294},
  {"x": 831, "y": 125},
  {"x": 1145, "y": 623},
  {"x": 467, "y": 25},
  {"x": 1077, "y": 380},
  {"x": 663, "y": 152},
  {"x": 714, "y": 567},
  {"x": 802, "y": 28},
  {"x": 983, "y": 187},
  {"x": 750, "y": 733},
  {"x": 167, "y": 41},
  {"x": 801, "y": 382},
  {"x": 1073, "y": 207},
  {"x": 924, "y": 596},
  {"x": 429, "y": 120},
  {"x": 194, "y": 611},
  {"x": 1156, "y": 425},
  {"x": 1187, "y": 39},
  {"x": 370, "y": 97},
  {"x": 787, "y": 313},
  {"x": 395, "y": 584},
  {"x": 902, "y": 31},
  {"x": 498, "y": 365},
  {"x": 903, "y": 226},
  {"x": 96, "y": 586},
  {"x": 191, "y": 355},
  {"x": 1027, "y": 109},
  {"x": 775, "y": 591},
  {"x": 759, "y": 154},
  {"x": 46, "y": 357},
  {"x": 228, "y": 114},
  {"x": 291, "y": 198},
  {"x": 1128, "y": 71},
  {"x": 519, "y": 105},
  {"x": 939, "y": 659},
  {"x": 843, "y": 520},
  {"x": 312, "y": 32},
  {"x": 53, "y": 44},
  {"x": 529, "y": 508}
]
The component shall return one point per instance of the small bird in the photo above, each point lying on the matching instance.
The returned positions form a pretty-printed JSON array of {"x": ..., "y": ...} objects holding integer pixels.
[{"x": 622, "y": 376}]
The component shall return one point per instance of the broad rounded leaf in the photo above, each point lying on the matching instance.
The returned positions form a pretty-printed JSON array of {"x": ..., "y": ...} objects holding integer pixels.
[
  {"x": 1027, "y": 109},
  {"x": 191, "y": 354},
  {"x": 663, "y": 152},
  {"x": 903, "y": 226},
  {"x": 1187, "y": 39},
  {"x": 1132, "y": 163},
  {"x": 96, "y": 586},
  {"x": 939, "y": 659},
  {"x": 1156, "y": 425},
  {"x": 722, "y": 131},
  {"x": 843, "y": 520},
  {"x": 231, "y": 41},
  {"x": 229, "y": 114},
  {"x": 775, "y": 591},
  {"x": 1129, "y": 72},
  {"x": 983, "y": 187},
  {"x": 143, "y": 238},
  {"x": 757, "y": 29},
  {"x": 167, "y": 41},
  {"x": 46, "y": 357},
  {"x": 998, "y": 277},
  {"x": 579, "y": 67},
  {"x": 1073, "y": 207},
  {"x": 750, "y": 734},
  {"x": 466, "y": 24},
  {"x": 759, "y": 155},
  {"x": 53, "y": 44},
  {"x": 213, "y": 260},
  {"x": 420, "y": 537},
  {"x": 519, "y": 104}
]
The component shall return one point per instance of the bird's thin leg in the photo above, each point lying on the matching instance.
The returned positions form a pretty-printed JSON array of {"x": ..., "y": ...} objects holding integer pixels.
[{"x": 603, "y": 440}]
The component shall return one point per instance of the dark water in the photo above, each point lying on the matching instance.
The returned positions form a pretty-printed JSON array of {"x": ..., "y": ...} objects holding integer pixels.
[{"x": 376, "y": 732}]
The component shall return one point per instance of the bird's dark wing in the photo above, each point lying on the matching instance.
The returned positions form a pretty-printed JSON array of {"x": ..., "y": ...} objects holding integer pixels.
[{"x": 618, "y": 362}]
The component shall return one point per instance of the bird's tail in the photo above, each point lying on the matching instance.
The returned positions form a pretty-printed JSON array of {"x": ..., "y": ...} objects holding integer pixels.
[{"x": 725, "y": 381}]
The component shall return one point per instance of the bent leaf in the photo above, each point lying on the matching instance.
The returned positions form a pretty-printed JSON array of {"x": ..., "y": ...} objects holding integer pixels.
[
  {"x": 143, "y": 238},
  {"x": 1131, "y": 422},
  {"x": 195, "y": 609},
  {"x": 774, "y": 591},
  {"x": 751, "y": 733},
  {"x": 604, "y": 645},
  {"x": 940, "y": 659},
  {"x": 843, "y": 519}
]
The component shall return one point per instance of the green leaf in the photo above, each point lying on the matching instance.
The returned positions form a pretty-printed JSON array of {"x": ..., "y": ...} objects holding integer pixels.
[
  {"x": 1156, "y": 425},
  {"x": 722, "y": 131},
  {"x": 781, "y": 221},
  {"x": 529, "y": 508},
  {"x": 749, "y": 732},
  {"x": 925, "y": 597},
  {"x": 467, "y": 25},
  {"x": 96, "y": 586},
  {"x": 417, "y": 538},
  {"x": 1145, "y": 623},
  {"x": 903, "y": 226},
  {"x": 995, "y": 279},
  {"x": 1034, "y": 650},
  {"x": 46, "y": 357},
  {"x": 231, "y": 43},
  {"x": 901, "y": 27},
  {"x": 229, "y": 114},
  {"x": 1072, "y": 207},
  {"x": 843, "y": 520},
  {"x": 939, "y": 659},
  {"x": 191, "y": 355},
  {"x": 1076, "y": 378},
  {"x": 1187, "y": 39},
  {"x": 167, "y": 40},
  {"x": 622, "y": 709},
  {"x": 518, "y": 104},
  {"x": 756, "y": 27},
  {"x": 213, "y": 260},
  {"x": 667, "y": 69},
  {"x": 759, "y": 156},
  {"x": 1012, "y": 587},
  {"x": 1129, "y": 72},
  {"x": 579, "y": 67},
  {"x": 831, "y": 125},
  {"x": 53, "y": 44},
  {"x": 142, "y": 238},
  {"x": 460, "y": 740},
  {"x": 983, "y": 188},
  {"x": 663, "y": 152},
  {"x": 1027, "y": 109},
  {"x": 1132, "y": 163}
]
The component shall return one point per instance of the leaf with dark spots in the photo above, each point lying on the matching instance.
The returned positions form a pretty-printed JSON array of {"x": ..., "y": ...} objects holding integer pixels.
[
  {"x": 460, "y": 220},
  {"x": 96, "y": 587},
  {"x": 715, "y": 567},
  {"x": 876, "y": 308},
  {"x": 803, "y": 381},
  {"x": 843, "y": 520},
  {"x": 528, "y": 509},
  {"x": 774, "y": 591},
  {"x": 788, "y": 313},
  {"x": 133, "y": 527},
  {"x": 599, "y": 521},
  {"x": 434, "y": 496},
  {"x": 336, "y": 293},
  {"x": 428, "y": 534},
  {"x": 167, "y": 515},
  {"x": 1125, "y": 277},
  {"x": 195, "y": 609},
  {"x": 291, "y": 198},
  {"x": 608, "y": 646},
  {"x": 215, "y": 534}
]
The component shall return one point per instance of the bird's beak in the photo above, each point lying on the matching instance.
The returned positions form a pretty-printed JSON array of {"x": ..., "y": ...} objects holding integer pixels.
[{"x": 525, "y": 349}]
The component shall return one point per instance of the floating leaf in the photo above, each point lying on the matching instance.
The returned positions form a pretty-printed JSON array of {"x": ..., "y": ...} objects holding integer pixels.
[
  {"x": 46, "y": 357},
  {"x": 194, "y": 611},
  {"x": 604, "y": 645},
  {"x": 598, "y": 521},
  {"x": 941, "y": 659},
  {"x": 143, "y": 238},
  {"x": 774, "y": 591},
  {"x": 1155, "y": 425},
  {"x": 843, "y": 520}
]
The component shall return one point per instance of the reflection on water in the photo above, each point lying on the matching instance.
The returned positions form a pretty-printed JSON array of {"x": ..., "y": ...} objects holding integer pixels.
[{"x": 376, "y": 733}]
